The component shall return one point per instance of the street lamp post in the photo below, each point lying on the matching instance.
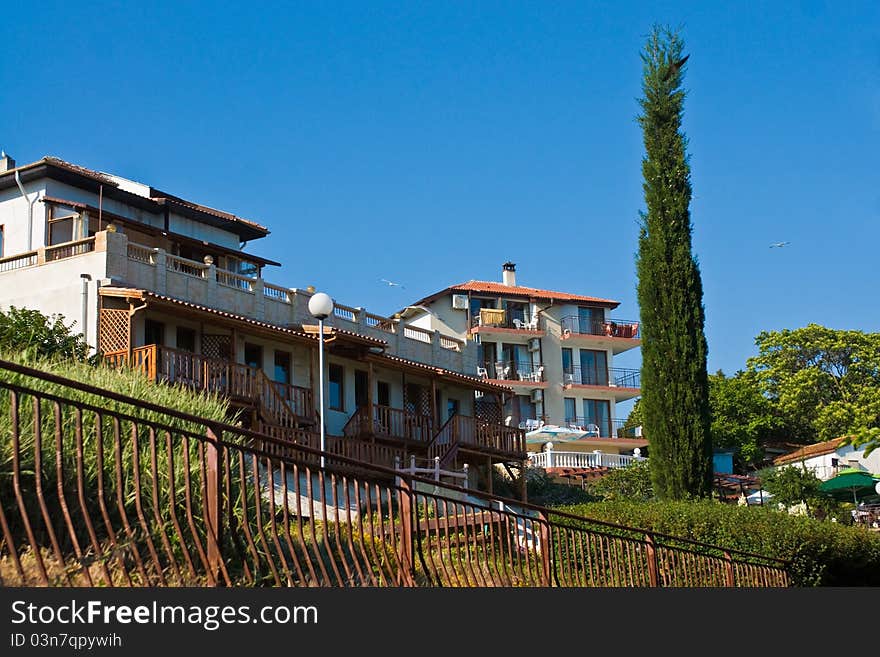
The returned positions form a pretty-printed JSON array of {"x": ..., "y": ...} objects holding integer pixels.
[{"x": 320, "y": 306}]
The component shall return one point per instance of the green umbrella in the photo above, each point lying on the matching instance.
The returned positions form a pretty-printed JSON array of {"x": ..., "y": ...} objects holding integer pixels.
[{"x": 849, "y": 481}]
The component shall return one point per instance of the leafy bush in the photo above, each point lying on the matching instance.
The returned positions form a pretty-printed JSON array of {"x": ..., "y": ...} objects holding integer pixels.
[
  {"x": 821, "y": 553},
  {"x": 39, "y": 336},
  {"x": 629, "y": 483},
  {"x": 542, "y": 490}
]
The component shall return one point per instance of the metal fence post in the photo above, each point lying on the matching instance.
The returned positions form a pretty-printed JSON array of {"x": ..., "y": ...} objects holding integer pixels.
[
  {"x": 728, "y": 563},
  {"x": 214, "y": 504},
  {"x": 405, "y": 506},
  {"x": 651, "y": 550}
]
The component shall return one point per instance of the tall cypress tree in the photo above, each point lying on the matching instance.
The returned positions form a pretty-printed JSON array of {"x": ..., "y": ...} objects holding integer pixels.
[{"x": 675, "y": 387}]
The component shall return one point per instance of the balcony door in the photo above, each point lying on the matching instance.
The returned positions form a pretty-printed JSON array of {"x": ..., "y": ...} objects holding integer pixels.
[
  {"x": 598, "y": 412},
  {"x": 590, "y": 320},
  {"x": 594, "y": 367}
]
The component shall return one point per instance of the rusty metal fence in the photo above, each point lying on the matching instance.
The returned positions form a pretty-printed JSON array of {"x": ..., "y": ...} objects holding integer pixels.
[{"x": 153, "y": 497}]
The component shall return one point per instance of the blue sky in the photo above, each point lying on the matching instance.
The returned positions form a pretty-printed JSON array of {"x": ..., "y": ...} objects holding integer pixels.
[{"x": 428, "y": 143}]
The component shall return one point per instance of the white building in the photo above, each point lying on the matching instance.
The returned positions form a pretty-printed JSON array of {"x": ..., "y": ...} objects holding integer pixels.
[
  {"x": 164, "y": 283},
  {"x": 555, "y": 349},
  {"x": 827, "y": 459}
]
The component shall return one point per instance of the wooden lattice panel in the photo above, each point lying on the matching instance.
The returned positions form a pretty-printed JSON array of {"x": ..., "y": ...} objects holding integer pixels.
[
  {"x": 488, "y": 410},
  {"x": 217, "y": 346},
  {"x": 114, "y": 330},
  {"x": 417, "y": 399}
]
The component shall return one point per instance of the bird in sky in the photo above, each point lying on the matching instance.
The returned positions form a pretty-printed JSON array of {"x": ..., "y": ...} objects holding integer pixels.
[
  {"x": 779, "y": 245},
  {"x": 674, "y": 68},
  {"x": 392, "y": 283}
]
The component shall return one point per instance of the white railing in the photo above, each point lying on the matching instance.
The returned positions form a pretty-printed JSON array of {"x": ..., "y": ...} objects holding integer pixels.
[
  {"x": 276, "y": 292},
  {"x": 186, "y": 267},
  {"x": 142, "y": 254},
  {"x": 347, "y": 313},
  {"x": 18, "y": 261},
  {"x": 433, "y": 471},
  {"x": 378, "y": 322},
  {"x": 237, "y": 281},
  {"x": 554, "y": 459},
  {"x": 415, "y": 333},
  {"x": 450, "y": 343}
]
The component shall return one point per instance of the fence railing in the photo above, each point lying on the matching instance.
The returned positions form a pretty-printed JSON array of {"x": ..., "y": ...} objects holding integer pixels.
[
  {"x": 417, "y": 333},
  {"x": 142, "y": 254},
  {"x": 507, "y": 370},
  {"x": 614, "y": 377},
  {"x": 237, "y": 281},
  {"x": 185, "y": 266},
  {"x": 141, "y": 495},
  {"x": 18, "y": 261},
  {"x": 609, "y": 428},
  {"x": 555, "y": 459},
  {"x": 276, "y": 292},
  {"x": 610, "y": 328},
  {"x": 70, "y": 249},
  {"x": 389, "y": 422}
]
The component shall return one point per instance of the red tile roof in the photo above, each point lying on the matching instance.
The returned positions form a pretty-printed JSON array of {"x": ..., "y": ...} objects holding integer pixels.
[
  {"x": 810, "y": 451},
  {"x": 490, "y": 287}
]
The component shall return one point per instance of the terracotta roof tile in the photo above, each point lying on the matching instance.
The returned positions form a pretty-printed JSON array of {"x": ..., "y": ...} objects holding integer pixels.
[
  {"x": 810, "y": 451},
  {"x": 490, "y": 287}
]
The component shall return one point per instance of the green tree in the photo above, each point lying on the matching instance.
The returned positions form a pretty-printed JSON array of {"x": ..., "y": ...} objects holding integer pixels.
[
  {"x": 675, "y": 386},
  {"x": 634, "y": 419},
  {"x": 38, "y": 336},
  {"x": 825, "y": 382},
  {"x": 742, "y": 418}
]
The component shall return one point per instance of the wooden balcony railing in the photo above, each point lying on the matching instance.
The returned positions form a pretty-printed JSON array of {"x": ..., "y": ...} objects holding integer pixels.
[
  {"x": 282, "y": 405},
  {"x": 388, "y": 422},
  {"x": 465, "y": 431}
]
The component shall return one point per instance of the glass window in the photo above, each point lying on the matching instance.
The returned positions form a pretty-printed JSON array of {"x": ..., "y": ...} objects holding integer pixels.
[
  {"x": 336, "y": 388},
  {"x": 570, "y": 410},
  {"x": 567, "y": 360},
  {"x": 452, "y": 407},
  {"x": 594, "y": 367},
  {"x": 590, "y": 320}
]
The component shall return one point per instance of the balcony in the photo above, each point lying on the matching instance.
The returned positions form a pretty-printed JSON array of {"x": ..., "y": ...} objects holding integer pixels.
[
  {"x": 513, "y": 373},
  {"x": 619, "y": 335},
  {"x": 622, "y": 383},
  {"x": 496, "y": 320}
]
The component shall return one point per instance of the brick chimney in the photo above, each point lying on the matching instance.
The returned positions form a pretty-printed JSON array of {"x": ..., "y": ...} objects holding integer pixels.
[
  {"x": 6, "y": 162},
  {"x": 508, "y": 274}
]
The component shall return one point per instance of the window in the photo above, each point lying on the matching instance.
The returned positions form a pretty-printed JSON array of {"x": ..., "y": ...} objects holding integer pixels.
[
  {"x": 567, "y": 360},
  {"x": 66, "y": 225},
  {"x": 154, "y": 332},
  {"x": 594, "y": 367},
  {"x": 590, "y": 320},
  {"x": 598, "y": 412},
  {"x": 361, "y": 388},
  {"x": 253, "y": 355},
  {"x": 186, "y": 339},
  {"x": 383, "y": 396},
  {"x": 452, "y": 407},
  {"x": 282, "y": 367},
  {"x": 336, "y": 388},
  {"x": 570, "y": 410}
]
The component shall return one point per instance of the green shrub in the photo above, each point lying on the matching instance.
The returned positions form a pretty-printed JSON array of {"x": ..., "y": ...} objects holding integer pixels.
[
  {"x": 821, "y": 553},
  {"x": 630, "y": 483},
  {"x": 39, "y": 336}
]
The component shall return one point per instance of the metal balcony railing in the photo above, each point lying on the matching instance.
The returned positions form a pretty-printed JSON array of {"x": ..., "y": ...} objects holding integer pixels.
[
  {"x": 611, "y": 328},
  {"x": 614, "y": 377},
  {"x": 507, "y": 370}
]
